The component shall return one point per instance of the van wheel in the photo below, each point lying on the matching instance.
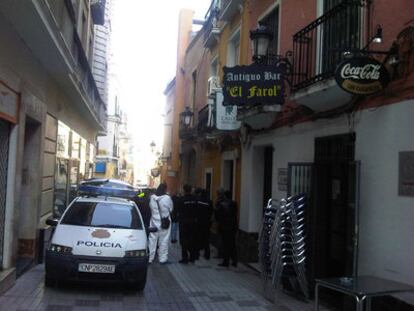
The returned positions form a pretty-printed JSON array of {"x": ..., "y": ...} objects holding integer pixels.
[{"x": 50, "y": 282}]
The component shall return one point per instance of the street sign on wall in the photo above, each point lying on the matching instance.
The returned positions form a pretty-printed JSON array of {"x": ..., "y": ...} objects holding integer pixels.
[
  {"x": 253, "y": 84},
  {"x": 362, "y": 76},
  {"x": 226, "y": 116}
]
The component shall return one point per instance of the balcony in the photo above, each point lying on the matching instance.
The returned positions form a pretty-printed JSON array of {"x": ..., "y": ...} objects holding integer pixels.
[
  {"x": 318, "y": 49},
  {"x": 229, "y": 8},
  {"x": 258, "y": 117},
  {"x": 187, "y": 132},
  {"x": 57, "y": 47},
  {"x": 212, "y": 31},
  {"x": 205, "y": 123},
  {"x": 98, "y": 11}
]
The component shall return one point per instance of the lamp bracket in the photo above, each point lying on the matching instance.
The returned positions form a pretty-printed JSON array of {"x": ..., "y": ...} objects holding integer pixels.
[{"x": 282, "y": 62}]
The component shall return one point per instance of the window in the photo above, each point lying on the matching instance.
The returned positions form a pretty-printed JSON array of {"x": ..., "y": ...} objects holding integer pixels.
[
  {"x": 233, "y": 50},
  {"x": 103, "y": 214},
  {"x": 339, "y": 32},
  {"x": 272, "y": 23}
]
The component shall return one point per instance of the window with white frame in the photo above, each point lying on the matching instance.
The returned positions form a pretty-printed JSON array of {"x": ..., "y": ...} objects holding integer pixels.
[{"x": 233, "y": 49}]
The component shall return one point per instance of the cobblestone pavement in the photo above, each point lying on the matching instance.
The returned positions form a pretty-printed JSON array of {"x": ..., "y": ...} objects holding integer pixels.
[{"x": 201, "y": 286}]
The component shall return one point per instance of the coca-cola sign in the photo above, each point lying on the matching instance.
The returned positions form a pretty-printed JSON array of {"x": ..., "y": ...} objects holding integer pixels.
[{"x": 362, "y": 76}]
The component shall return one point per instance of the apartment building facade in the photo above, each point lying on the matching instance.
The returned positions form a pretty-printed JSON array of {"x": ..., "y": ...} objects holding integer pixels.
[
  {"x": 350, "y": 153},
  {"x": 51, "y": 113}
]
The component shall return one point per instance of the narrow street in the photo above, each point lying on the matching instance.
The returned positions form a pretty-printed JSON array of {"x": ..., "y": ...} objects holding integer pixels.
[{"x": 202, "y": 286}]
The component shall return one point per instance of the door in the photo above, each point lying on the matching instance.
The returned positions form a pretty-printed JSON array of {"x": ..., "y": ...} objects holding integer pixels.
[
  {"x": 4, "y": 153},
  {"x": 333, "y": 217},
  {"x": 208, "y": 179},
  {"x": 228, "y": 176}
]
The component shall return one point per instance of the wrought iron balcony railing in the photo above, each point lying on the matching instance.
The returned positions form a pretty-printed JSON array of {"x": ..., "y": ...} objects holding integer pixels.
[
  {"x": 319, "y": 47},
  {"x": 204, "y": 124},
  {"x": 186, "y": 132}
]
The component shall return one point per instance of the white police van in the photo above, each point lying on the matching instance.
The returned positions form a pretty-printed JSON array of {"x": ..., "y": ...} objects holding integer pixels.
[{"x": 98, "y": 238}]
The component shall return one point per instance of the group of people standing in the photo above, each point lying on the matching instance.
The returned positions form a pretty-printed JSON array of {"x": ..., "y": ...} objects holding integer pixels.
[{"x": 192, "y": 213}]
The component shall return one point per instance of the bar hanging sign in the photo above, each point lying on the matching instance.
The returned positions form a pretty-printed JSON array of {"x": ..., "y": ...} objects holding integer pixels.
[
  {"x": 253, "y": 84},
  {"x": 362, "y": 76}
]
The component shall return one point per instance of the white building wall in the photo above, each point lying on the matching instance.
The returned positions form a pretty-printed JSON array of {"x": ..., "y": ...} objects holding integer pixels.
[{"x": 386, "y": 219}]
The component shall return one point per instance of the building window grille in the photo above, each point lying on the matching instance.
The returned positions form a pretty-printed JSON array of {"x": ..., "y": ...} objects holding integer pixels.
[{"x": 271, "y": 21}]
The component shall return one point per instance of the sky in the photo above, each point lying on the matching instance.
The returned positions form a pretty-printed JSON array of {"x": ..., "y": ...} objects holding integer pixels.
[{"x": 143, "y": 48}]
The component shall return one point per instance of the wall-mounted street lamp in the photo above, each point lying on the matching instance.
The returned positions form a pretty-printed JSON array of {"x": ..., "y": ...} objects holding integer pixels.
[
  {"x": 186, "y": 116},
  {"x": 376, "y": 38},
  {"x": 378, "y": 35},
  {"x": 152, "y": 146},
  {"x": 260, "y": 38}
]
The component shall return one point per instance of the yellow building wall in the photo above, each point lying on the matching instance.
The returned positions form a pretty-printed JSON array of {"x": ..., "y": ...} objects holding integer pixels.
[
  {"x": 242, "y": 22},
  {"x": 109, "y": 173}
]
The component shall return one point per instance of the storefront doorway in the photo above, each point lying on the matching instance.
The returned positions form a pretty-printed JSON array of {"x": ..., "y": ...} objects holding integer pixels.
[
  {"x": 333, "y": 214},
  {"x": 228, "y": 175},
  {"x": 4, "y": 155},
  {"x": 29, "y": 204}
]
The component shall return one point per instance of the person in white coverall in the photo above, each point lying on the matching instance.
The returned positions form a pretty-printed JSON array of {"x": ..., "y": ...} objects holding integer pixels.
[{"x": 162, "y": 236}]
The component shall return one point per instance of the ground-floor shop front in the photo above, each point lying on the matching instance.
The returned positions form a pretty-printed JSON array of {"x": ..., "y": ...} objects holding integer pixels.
[{"x": 357, "y": 173}]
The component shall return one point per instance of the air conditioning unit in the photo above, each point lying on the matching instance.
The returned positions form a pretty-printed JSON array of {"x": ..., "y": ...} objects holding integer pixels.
[{"x": 213, "y": 85}]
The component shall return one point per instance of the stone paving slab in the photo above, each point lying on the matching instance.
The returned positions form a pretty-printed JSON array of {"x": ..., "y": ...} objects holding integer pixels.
[{"x": 193, "y": 287}]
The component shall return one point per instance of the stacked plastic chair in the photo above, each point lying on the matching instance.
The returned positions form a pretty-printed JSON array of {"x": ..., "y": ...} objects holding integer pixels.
[
  {"x": 282, "y": 245},
  {"x": 265, "y": 240},
  {"x": 288, "y": 248}
]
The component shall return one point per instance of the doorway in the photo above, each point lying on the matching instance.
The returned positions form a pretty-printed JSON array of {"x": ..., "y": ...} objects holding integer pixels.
[
  {"x": 208, "y": 181},
  {"x": 333, "y": 214},
  {"x": 29, "y": 204},
  {"x": 4, "y": 156},
  {"x": 228, "y": 175}
]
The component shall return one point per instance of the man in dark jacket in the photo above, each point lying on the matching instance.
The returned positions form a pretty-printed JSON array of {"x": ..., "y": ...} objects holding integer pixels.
[
  {"x": 204, "y": 213},
  {"x": 187, "y": 220},
  {"x": 226, "y": 216}
]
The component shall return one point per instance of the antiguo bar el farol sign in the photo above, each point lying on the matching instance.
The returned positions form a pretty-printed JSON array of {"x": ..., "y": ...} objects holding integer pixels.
[
  {"x": 362, "y": 76},
  {"x": 254, "y": 84}
]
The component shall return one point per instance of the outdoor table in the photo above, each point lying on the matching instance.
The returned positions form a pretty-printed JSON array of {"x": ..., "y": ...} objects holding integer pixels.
[{"x": 362, "y": 288}]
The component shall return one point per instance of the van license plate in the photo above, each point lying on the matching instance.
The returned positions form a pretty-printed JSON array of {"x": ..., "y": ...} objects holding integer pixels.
[{"x": 96, "y": 268}]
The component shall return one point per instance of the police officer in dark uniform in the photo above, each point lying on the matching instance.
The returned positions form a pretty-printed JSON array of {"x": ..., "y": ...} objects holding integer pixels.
[
  {"x": 187, "y": 220},
  {"x": 226, "y": 216},
  {"x": 204, "y": 213},
  {"x": 142, "y": 201}
]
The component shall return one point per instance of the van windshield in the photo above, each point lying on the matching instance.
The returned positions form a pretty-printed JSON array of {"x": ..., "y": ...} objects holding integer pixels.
[{"x": 103, "y": 214}]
